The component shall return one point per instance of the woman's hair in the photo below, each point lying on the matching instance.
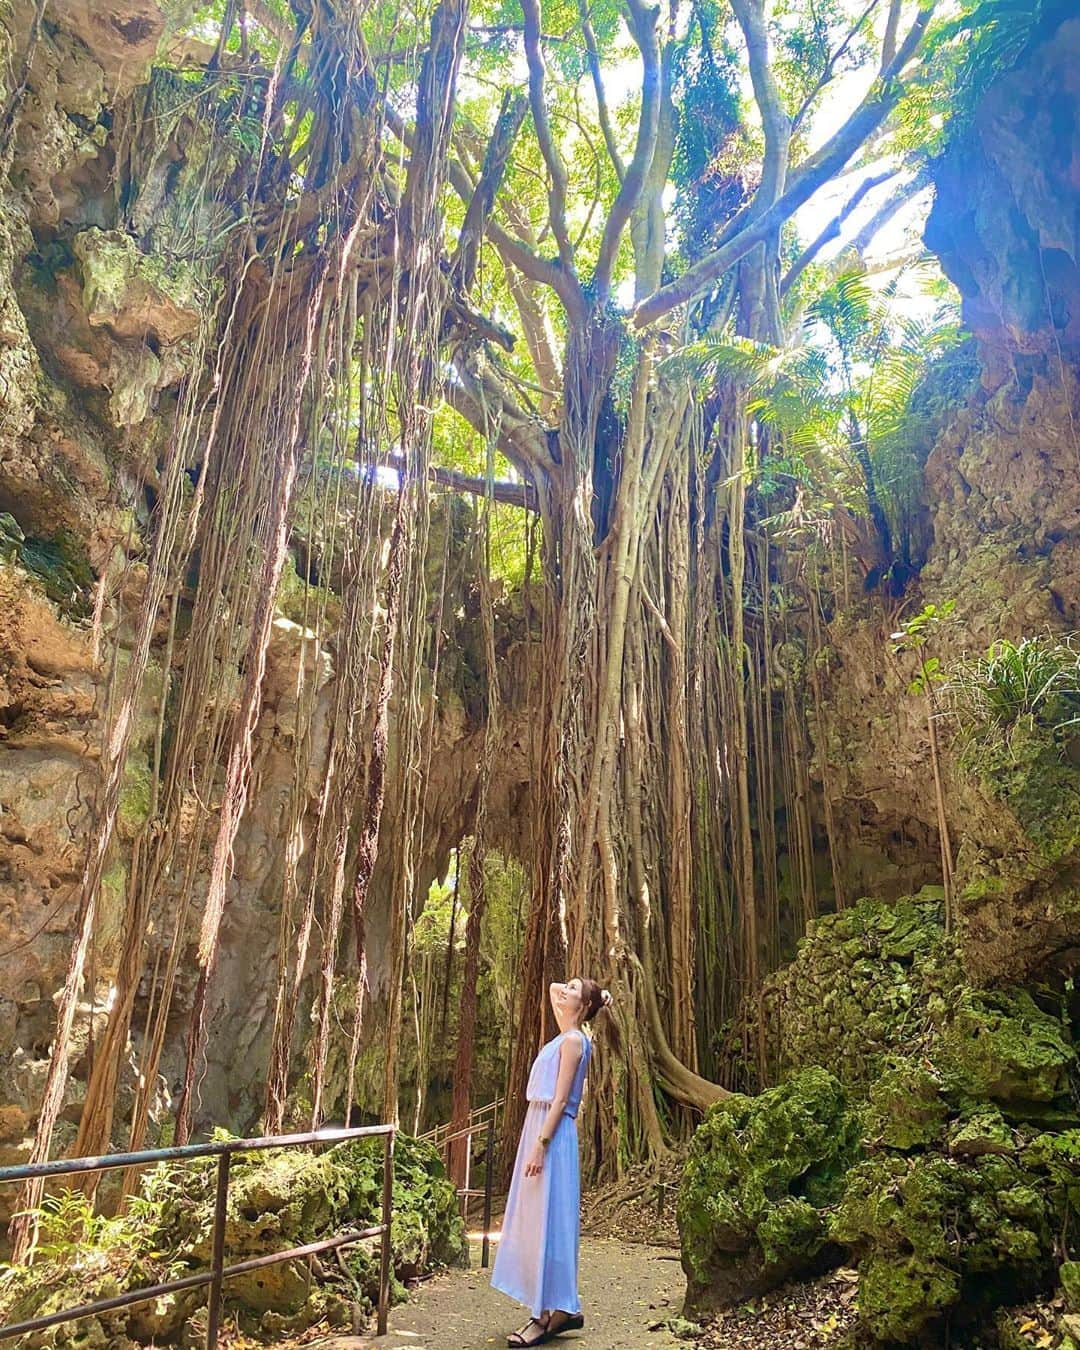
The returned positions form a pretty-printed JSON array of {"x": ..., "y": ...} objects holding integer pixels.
[{"x": 593, "y": 998}]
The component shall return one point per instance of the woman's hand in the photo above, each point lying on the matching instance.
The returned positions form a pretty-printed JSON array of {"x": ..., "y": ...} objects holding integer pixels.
[{"x": 535, "y": 1165}]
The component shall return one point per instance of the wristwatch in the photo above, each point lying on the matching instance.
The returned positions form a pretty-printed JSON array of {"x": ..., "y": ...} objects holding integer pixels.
[{"x": 544, "y": 1141}]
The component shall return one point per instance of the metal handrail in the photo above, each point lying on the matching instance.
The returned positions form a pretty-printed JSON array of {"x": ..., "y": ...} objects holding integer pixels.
[
  {"x": 436, "y": 1134},
  {"x": 466, "y": 1193},
  {"x": 223, "y": 1150}
]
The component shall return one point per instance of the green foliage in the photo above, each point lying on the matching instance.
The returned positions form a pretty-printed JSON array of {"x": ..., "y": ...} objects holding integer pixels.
[
  {"x": 807, "y": 38},
  {"x": 1035, "y": 681},
  {"x": 431, "y": 930},
  {"x": 915, "y": 634},
  {"x": 841, "y": 413},
  {"x": 879, "y": 358},
  {"x": 709, "y": 168}
]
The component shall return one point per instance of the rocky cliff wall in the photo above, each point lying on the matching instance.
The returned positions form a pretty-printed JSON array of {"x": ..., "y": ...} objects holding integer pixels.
[{"x": 1002, "y": 494}]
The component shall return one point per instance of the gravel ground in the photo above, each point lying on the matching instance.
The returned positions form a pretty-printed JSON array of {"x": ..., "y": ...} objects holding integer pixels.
[{"x": 628, "y": 1291}]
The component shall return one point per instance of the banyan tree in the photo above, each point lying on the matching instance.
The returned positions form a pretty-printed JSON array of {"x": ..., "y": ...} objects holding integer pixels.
[{"x": 562, "y": 235}]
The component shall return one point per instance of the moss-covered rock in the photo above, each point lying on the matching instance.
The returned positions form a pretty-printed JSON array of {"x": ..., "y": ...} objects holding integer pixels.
[
  {"x": 135, "y": 293},
  {"x": 760, "y": 1174},
  {"x": 60, "y": 566},
  {"x": 1026, "y": 770},
  {"x": 1058, "y": 1156},
  {"x": 981, "y": 1132},
  {"x": 933, "y": 1233},
  {"x": 864, "y": 985},
  {"x": 896, "y": 1294},
  {"x": 1000, "y": 1046},
  {"x": 968, "y": 1163},
  {"x": 1019, "y": 907},
  {"x": 136, "y": 795},
  {"x": 906, "y": 1109}
]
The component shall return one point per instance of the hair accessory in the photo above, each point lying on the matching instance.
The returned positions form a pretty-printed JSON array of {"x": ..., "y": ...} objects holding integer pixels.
[{"x": 605, "y": 998}]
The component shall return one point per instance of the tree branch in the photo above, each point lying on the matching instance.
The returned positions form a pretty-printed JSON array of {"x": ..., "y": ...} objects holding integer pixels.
[
  {"x": 642, "y": 22},
  {"x": 812, "y": 173},
  {"x": 464, "y": 264},
  {"x": 886, "y": 211},
  {"x": 775, "y": 123},
  {"x": 538, "y": 269},
  {"x": 592, "y": 51},
  {"x": 505, "y": 493},
  {"x": 648, "y": 223},
  {"x": 535, "y": 323},
  {"x": 556, "y": 169},
  {"x": 892, "y": 27},
  {"x": 830, "y": 65},
  {"x": 485, "y": 405},
  {"x": 261, "y": 13},
  {"x": 515, "y": 251},
  {"x": 832, "y": 229},
  {"x": 434, "y": 111}
]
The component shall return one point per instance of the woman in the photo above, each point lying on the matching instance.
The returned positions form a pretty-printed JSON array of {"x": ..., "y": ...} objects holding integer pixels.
[{"x": 538, "y": 1250}]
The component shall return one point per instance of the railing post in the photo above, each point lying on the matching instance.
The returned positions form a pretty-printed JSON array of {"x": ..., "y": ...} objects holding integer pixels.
[
  {"x": 488, "y": 1168},
  {"x": 217, "y": 1259},
  {"x": 387, "y": 1209},
  {"x": 465, "y": 1197}
]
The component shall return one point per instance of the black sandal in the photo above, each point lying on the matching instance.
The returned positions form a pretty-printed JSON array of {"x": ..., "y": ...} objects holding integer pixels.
[
  {"x": 570, "y": 1322},
  {"x": 517, "y": 1338}
]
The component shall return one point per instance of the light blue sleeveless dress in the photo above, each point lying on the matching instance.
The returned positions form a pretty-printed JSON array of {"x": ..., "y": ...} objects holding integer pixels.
[{"x": 537, "y": 1258}]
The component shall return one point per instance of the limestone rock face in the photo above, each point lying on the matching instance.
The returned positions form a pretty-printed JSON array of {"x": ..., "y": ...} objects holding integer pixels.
[
  {"x": 20, "y": 370},
  {"x": 48, "y": 735},
  {"x": 1002, "y": 493},
  {"x": 135, "y": 295},
  {"x": 61, "y": 129},
  {"x": 122, "y": 35},
  {"x": 143, "y": 309},
  {"x": 1005, "y": 224}
]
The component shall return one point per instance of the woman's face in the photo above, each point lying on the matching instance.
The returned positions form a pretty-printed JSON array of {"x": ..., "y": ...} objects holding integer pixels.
[{"x": 568, "y": 998}]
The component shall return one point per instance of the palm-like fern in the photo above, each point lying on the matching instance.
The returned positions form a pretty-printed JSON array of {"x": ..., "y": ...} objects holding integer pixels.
[
  {"x": 1036, "y": 679},
  {"x": 837, "y": 409}
]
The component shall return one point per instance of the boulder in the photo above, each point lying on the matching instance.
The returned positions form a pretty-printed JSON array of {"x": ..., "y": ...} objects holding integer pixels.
[{"x": 759, "y": 1175}]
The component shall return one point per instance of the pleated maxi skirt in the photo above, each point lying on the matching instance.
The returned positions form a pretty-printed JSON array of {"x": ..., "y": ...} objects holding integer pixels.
[{"x": 537, "y": 1258}]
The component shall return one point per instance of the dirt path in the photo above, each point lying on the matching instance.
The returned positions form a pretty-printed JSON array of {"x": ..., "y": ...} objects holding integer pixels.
[{"x": 625, "y": 1289}]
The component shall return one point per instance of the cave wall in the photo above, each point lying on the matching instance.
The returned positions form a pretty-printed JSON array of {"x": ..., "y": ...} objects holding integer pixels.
[{"x": 1002, "y": 494}]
